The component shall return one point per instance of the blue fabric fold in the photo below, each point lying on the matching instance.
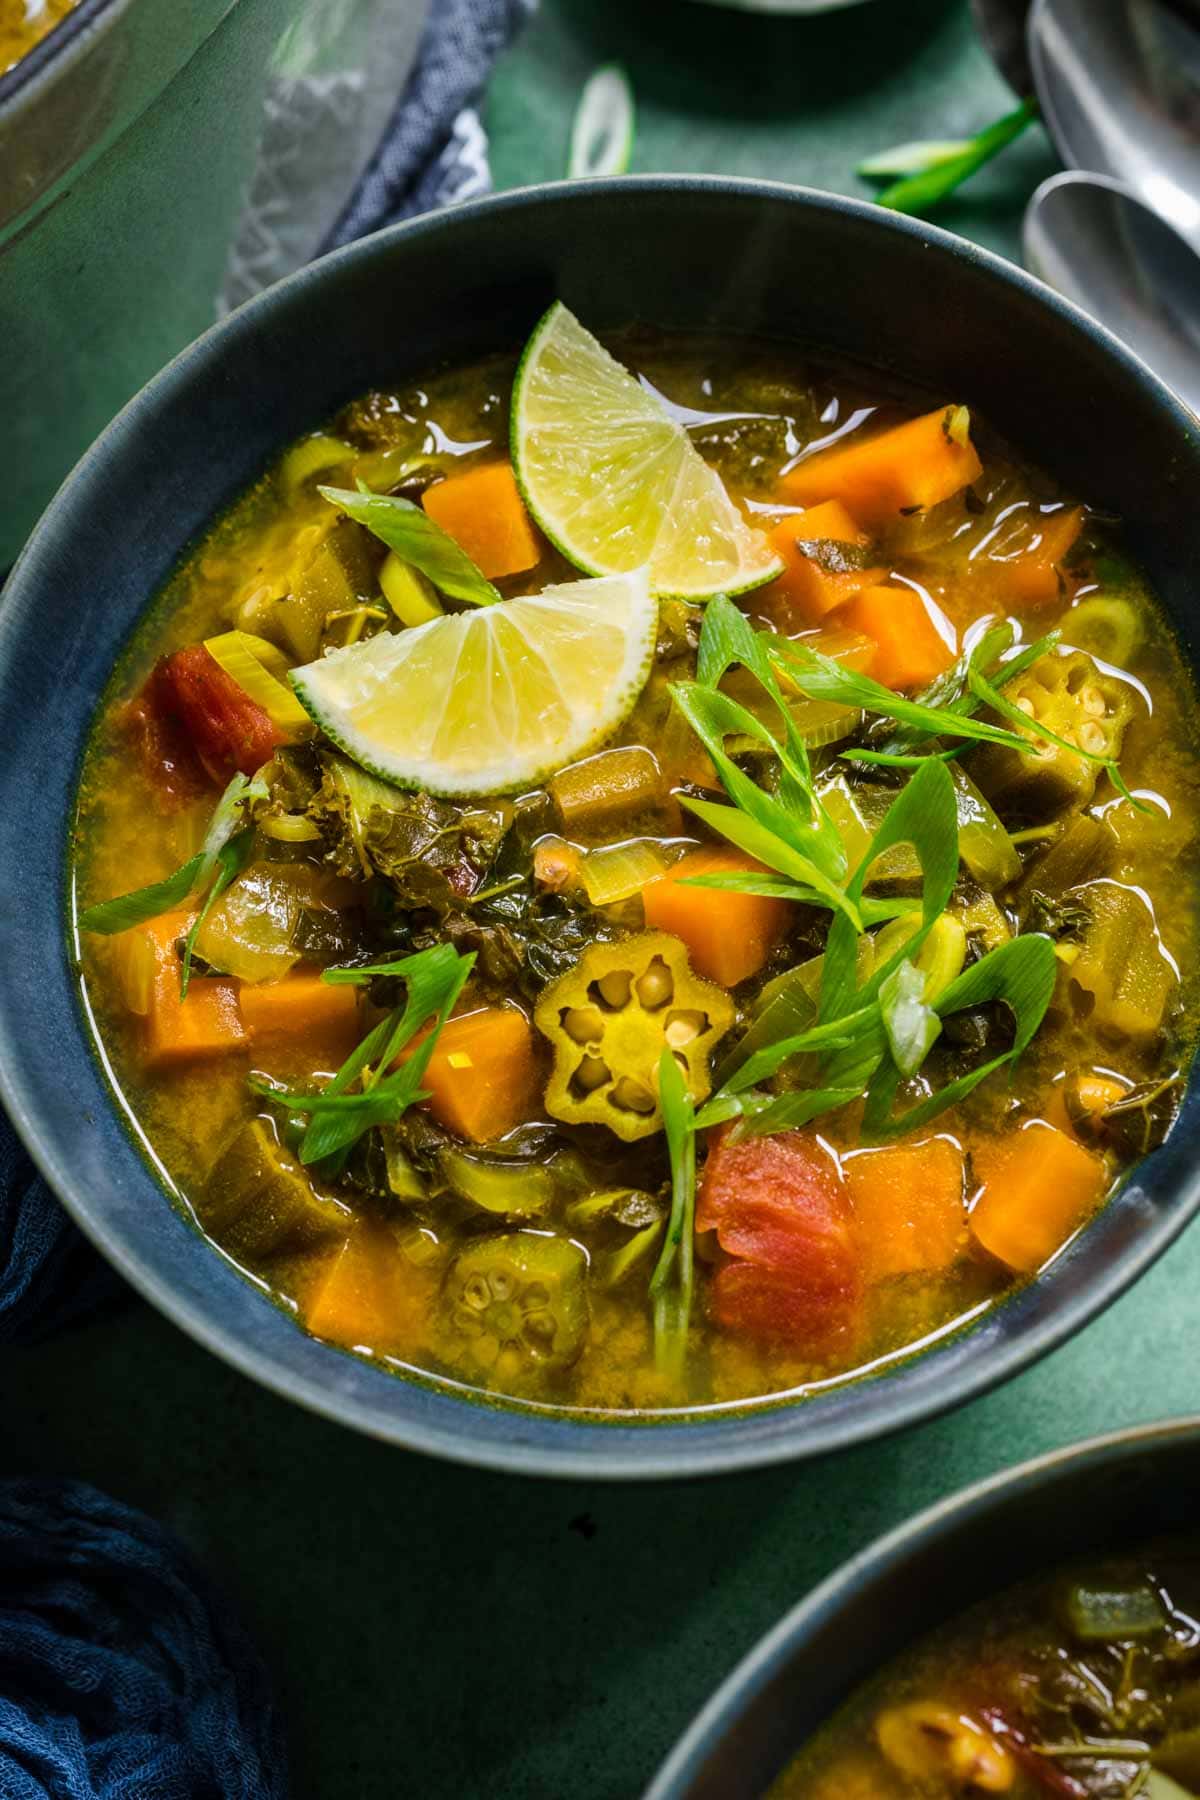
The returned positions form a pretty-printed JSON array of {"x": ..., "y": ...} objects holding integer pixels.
[
  {"x": 49, "y": 1274},
  {"x": 433, "y": 153},
  {"x": 123, "y": 1675}
]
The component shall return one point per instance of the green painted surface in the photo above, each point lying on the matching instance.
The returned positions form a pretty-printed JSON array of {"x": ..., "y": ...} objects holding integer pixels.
[{"x": 445, "y": 1633}]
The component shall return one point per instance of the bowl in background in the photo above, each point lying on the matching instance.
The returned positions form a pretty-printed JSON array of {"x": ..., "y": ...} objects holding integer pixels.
[
  {"x": 825, "y": 273},
  {"x": 1107, "y": 1495}
]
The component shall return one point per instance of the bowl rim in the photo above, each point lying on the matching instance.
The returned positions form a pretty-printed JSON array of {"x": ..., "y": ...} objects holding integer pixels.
[
  {"x": 785, "y": 1640},
  {"x": 64, "y": 42},
  {"x": 565, "y": 1444}
]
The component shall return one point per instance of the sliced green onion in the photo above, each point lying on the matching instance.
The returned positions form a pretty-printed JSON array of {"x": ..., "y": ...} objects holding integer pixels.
[
  {"x": 921, "y": 192},
  {"x": 411, "y": 595},
  {"x": 312, "y": 456},
  {"x": 618, "y": 871},
  {"x": 290, "y": 828},
  {"x": 915, "y": 157},
  {"x": 602, "y": 130}
]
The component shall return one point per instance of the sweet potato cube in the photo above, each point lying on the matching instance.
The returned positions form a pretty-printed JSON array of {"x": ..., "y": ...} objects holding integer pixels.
[
  {"x": 880, "y": 476},
  {"x": 316, "y": 1020},
  {"x": 1039, "y": 1187},
  {"x": 175, "y": 1031},
  {"x": 910, "y": 650},
  {"x": 482, "y": 1079},
  {"x": 728, "y": 936},
  {"x": 909, "y": 1208},
  {"x": 807, "y": 591},
  {"x": 364, "y": 1295},
  {"x": 483, "y": 512}
]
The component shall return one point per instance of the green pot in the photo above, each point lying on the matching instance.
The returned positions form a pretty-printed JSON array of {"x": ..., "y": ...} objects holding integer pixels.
[{"x": 148, "y": 181}]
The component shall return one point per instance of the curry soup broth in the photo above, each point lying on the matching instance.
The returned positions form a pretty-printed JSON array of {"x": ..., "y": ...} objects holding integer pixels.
[{"x": 576, "y": 1252}]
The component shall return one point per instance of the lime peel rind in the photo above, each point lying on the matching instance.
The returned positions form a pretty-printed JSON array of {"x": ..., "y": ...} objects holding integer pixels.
[
  {"x": 399, "y": 673},
  {"x": 565, "y": 486}
]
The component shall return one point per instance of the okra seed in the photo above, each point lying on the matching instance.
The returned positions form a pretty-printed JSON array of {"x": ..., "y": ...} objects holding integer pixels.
[
  {"x": 475, "y": 1293},
  {"x": 584, "y": 1023},
  {"x": 615, "y": 988},
  {"x": 1025, "y": 705},
  {"x": 633, "y": 1096},
  {"x": 592, "y": 1073},
  {"x": 657, "y": 986},
  {"x": 501, "y": 1285},
  {"x": 535, "y": 1298},
  {"x": 684, "y": 1027},
  {"x": 1094, "y": 702},
  {"x": 1091, "y": 737}
]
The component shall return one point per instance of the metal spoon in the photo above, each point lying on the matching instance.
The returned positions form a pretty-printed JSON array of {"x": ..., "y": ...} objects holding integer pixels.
[
  {"x": 1093, "y": 239},
  {"x": 1001, "y": 24},
  {"x": 1119, "y": 85}
]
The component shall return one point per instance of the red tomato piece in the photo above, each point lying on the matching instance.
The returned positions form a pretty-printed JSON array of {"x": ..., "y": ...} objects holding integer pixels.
[
  {"x": 782, "y": 1305},
  {"x": 226, "y": 727},
  {"x": 779, "y": 1206},
  {"x": 160, "y": 743}
]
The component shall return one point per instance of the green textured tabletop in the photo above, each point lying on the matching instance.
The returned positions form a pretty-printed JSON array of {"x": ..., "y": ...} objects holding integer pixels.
[{"x": 445, "y": 1633}]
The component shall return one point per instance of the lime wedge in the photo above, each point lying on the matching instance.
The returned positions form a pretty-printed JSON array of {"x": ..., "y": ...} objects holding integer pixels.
[
  {"x": 493, "y": 700},
  {"x": 614, "y": 481}
]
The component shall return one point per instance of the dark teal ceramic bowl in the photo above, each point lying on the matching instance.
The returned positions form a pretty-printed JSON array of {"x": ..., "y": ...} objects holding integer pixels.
[
  {"x": 829, "y": 274},
  {"x": 1109, "y": 1494}
]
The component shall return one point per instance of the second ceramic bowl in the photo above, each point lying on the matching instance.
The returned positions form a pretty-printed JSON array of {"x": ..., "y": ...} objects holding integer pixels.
[{"x": 1107, "y": 1495}]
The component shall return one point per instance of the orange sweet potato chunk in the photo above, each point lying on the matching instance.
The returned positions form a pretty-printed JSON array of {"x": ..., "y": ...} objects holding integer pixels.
[
  {"x": 175, "y": 1032},
  {"x": 909, "y": 1210},
  {"x": 313, "y": 1017},
  {"x": 881, "y": 476},
  {"x": 806, "y": 593},
  {"x": 364, "y": 1295},
  {"x": 483, "y": 1079},
  {"x": 910, "y": 650},
  {"x": 483, "y": 512},
  {"x": 728, "y": 936},
  {"x": 1038, "y": 1188}
]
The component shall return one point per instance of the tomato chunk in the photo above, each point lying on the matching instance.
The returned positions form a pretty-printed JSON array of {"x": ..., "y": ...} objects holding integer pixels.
[
  {"x": 781, "y": 1306},
  {"x": 159, "y": 742},
  {"x": 779, "y": 1208},
  {"x": 227, "y": 729}
]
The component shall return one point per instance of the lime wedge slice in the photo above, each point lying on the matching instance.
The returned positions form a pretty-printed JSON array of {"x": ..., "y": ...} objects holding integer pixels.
[
  {"x": 493, "y": 700},
  {"x": 615, "y": 482}
]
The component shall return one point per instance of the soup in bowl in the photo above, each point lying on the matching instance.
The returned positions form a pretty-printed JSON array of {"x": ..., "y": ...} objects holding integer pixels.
[
  {"x": 635, "y": 872},
  {"x": 661, "y": 878}
]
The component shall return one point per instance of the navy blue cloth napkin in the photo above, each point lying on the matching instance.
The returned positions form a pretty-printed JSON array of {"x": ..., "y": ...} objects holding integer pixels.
[
  {"x": 433, "y": 153},
  {"x": 123, "y": 1676}
]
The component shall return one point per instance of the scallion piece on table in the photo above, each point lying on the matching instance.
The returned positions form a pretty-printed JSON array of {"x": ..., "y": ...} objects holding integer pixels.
[
  {"x": 919, "y": 192},
  {"x": 602, "y": 129}
]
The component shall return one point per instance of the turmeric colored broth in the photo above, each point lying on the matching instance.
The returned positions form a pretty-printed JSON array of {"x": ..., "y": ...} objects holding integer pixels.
[
  {"x": 389, "y": 1255},
  {"x": 1082, "y": 1684},
  {"x": 24, "y": 23}
]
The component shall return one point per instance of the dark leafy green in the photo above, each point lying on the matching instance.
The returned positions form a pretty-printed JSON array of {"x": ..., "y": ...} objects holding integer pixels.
[{"x": 834, "y": 557}]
